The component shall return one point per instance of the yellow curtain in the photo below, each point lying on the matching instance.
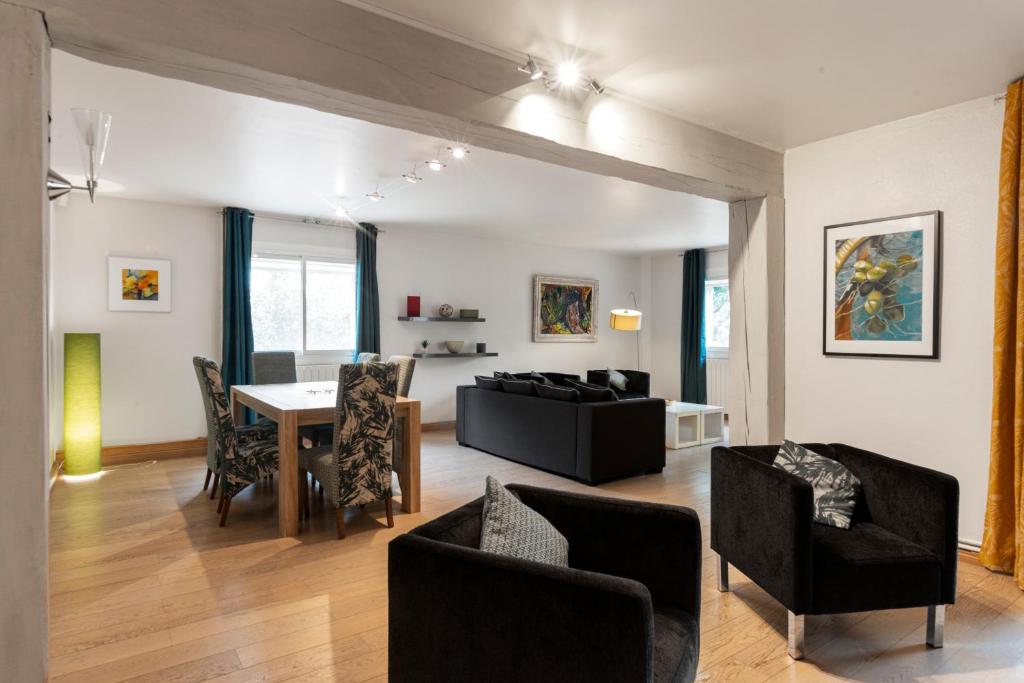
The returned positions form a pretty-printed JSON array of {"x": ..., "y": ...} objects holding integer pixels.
[{"x": 1002, "y": 546}]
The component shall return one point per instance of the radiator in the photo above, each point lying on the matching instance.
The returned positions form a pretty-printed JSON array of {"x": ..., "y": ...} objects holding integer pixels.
[
  {"x": 718, "y": 381},
  {"x": 316, "y": 373}
]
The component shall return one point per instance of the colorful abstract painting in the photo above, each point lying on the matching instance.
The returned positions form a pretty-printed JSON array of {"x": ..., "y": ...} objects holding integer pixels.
[
  {"x": 882, "y": 286},
  {"x": 564, "y": 309},
  {"x": 140, "y": 285}
]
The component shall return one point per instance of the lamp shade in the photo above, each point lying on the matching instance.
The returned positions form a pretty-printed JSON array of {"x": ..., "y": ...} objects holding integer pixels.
[
  {"x": 625, "y": 319},
  {"x": 82, "y": 418}
]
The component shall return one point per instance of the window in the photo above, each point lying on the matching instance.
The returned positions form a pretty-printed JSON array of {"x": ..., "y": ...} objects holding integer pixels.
[
  {"x": 304, "y": 304},
  {"x": 716, "y": 318}
]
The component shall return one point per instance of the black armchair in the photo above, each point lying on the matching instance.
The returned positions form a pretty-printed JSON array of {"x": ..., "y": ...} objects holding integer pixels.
[
  {"x": 626, "y": 609},
  {"x": 900, "y": 550},
  {"x": 638, "y": 383}
]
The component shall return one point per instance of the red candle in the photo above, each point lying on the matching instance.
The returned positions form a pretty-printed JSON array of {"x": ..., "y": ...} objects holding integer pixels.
[{"x": 412, "y": 306}]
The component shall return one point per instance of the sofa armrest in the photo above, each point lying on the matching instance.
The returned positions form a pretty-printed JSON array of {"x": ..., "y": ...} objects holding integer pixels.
[
  {"x": 917, "y": 503},
  {"x": 460, "y": 614},
  {"x": 761, "y": 520},
  {"x": 616, "y": 438},
  {"x": 657, "y": 545}
]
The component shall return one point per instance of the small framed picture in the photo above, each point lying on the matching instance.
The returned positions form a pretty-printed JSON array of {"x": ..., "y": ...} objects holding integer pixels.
[
  {"x": 139, "y": 284},
  {"x": 882, "y": 286}
]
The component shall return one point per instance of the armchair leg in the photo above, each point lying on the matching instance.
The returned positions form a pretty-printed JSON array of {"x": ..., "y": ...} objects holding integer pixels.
[
  {"x": 723, "y": 575},
  {"x": 795, "y": 645},
  {"x": 936, "y": 625}
]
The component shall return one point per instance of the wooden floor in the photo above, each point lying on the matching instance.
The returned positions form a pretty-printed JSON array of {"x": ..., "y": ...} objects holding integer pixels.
[{"x": 146, "y": 587}]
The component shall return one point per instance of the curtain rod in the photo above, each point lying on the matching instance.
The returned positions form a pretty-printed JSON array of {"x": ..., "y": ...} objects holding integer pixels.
[
  {"x": 711, "y": 250},
  {"x": 307, "y": 220}
]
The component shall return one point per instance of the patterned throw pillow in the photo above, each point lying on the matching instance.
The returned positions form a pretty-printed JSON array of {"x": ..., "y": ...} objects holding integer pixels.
[
  {"x": 616, "y": 380},
  {"x": 511, "y": 528},
  {"x": 835, "y": 487}
]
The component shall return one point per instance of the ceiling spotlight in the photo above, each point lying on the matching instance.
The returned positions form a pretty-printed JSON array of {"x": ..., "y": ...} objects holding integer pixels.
[
  {"x": 568, "y": 75},
  {"x": 596, "y": 87},
  {"x": 531, "y": 68},
  {"x": 411, "y": 176},
  {"x": 458, "y": 152},
  {"x": 375, "y": 196},
  {"x": 340, "y": 211},
  {"x": 435, "y": 164}
]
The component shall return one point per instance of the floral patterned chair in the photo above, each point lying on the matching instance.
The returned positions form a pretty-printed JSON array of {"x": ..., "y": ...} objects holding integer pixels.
[
  {"x": 246, "y": 454},
  {"x": 356, "y": 468},
  {"x": 262, "y": 431},
  {"x": 406, "y": 366}
]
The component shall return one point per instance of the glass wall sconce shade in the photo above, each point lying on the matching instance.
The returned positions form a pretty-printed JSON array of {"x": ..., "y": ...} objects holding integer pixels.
[
  {"x": 82, "y": 416},
  {"x": 93, "y": 135}
]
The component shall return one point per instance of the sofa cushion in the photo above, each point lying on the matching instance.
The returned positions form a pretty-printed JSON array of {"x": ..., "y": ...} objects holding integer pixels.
[
  {"x": 616, "y": 380},
  {"x": 591, "y": 393},
  {"x": 560, "y": 378},
  {"x": 835, "y": 487},
  {"x": 557, "y": 393},
  {"x": 498, "y": 374},
  {"x": 867, "y": 567},
  {"x": 533, "y": 376},
  {"x": 523, "y": 387},
  {"x": 511, "y": 528},
  {"x": 675, "y": 645},
  {"x": 489, "y": 383}
]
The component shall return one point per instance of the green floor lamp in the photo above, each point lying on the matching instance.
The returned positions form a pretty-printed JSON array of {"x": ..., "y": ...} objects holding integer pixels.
[{"x": 82, "y": 417}]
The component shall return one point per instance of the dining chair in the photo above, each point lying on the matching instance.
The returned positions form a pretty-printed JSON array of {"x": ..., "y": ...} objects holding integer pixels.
[
  {"x": 406, "y": 366},
  {"x": 244, "y": 459},
  {"x": 257, "y": 432},
  {"x": 356, "y": 468},
  {"x": 367, "y": 357},
  {"x": 273, "y": 367}
]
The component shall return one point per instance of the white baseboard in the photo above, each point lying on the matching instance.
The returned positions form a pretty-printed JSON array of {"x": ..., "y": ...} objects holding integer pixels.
[{"x": 969, "y": 545}]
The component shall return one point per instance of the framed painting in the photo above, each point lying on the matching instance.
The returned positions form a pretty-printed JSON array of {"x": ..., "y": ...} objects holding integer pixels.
[
  {"x": 882, "y": 285},
  {"x": 564, "y": 309},
  {"x": 138, "y": 284}
]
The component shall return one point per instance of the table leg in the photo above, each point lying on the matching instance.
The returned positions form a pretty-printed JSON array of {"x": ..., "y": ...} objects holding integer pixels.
[
  {"x": 288, "y": 479},
  {"x": 410, "y": 478}
]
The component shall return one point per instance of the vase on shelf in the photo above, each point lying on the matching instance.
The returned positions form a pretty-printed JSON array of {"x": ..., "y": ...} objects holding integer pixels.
[{"x": 412, "y": 306}]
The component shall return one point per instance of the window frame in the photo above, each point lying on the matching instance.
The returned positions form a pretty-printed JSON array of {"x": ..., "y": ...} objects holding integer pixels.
[
  {"x": 720, "y": 352},
  {"x": 304, "y": 356}
]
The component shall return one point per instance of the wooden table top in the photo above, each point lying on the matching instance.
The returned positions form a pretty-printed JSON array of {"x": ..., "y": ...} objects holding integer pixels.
[{"x": 298, "y": 396}]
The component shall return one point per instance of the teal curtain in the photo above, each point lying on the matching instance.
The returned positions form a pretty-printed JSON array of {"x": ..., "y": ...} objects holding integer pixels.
[
  {"x": 236, "y": 356},
  {"x": 367, "y": 299},
  {"x": 693, "y": 355}
]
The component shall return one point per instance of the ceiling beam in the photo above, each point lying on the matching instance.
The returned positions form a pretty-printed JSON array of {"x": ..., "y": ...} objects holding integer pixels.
[{"x": 346, "y": 60}]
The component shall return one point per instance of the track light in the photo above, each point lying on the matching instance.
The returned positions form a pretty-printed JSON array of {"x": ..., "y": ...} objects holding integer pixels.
[
  {"x": 568, "y": 75},
  {"x": 531, "y": 69},
  {"x": 340, "y": 211},
  {"x": 411, "y": 176},
  {"x": 596, "y": 87},
  {"x": 435, "y": 164},
  {"x": 375, "y": 196},
  {"x": 458, "y": 152}
]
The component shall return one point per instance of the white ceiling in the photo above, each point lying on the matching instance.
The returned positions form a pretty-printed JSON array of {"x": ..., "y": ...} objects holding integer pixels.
[
  {"x": 179, "y": 142},
  {"x": 781, "y": 73}
]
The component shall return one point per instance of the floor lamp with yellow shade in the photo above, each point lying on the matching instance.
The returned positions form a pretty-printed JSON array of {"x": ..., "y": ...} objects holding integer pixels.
[
  {"x": 628, "y": 320},
  {"x": 82, "y": 417}
]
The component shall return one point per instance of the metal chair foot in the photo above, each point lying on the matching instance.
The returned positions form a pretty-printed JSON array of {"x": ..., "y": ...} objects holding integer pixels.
[
  {"x": 723, "y": 575},
  {"x": 795, "y": 640},
  {"x": 936, "y": 625}
]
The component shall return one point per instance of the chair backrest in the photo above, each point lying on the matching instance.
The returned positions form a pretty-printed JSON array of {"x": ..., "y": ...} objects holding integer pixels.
[
  {"x": 367, "y": 357},
  {"x": 273, "y": 367},
  {"x": 220, "y": 413},
  {"x": 406, "y": 365},
  {"x": 364, "y": 430},
  {"x": 212, "y": 459}
]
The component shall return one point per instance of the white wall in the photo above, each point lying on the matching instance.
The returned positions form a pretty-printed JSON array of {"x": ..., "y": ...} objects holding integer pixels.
[
  {"x": 934, "y": 413},
  {"x": 666, "y": 315},
  {"x": 149, "y": 386},
  {"x": 495, "y": 277}
]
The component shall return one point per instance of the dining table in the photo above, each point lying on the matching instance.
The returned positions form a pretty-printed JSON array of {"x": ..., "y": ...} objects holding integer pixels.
[{"x": 298, "y": 404}]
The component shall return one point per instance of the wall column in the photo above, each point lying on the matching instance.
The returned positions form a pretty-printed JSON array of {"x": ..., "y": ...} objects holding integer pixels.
[
  {"x": 24, "y": 466},
  {"x": 757, "y": 349}
]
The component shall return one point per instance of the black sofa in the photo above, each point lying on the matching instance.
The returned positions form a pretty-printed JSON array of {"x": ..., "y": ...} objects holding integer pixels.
[
  {"x": 900, "y": 550},
  {"x": 627, "y": 608},
  {"x": 591, "y": 442},
  {"x": 638, "y": 382}
]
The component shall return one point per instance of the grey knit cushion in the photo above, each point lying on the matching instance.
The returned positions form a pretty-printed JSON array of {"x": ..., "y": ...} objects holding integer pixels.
[
  {"x": 511, "y": 528},
  {"x": 835, "y": 487}
]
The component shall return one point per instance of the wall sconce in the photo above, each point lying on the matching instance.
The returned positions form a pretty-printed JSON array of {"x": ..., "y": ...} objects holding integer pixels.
[
  {"x": 93, "y": 135},
  {"x": 82, "y": 415}
]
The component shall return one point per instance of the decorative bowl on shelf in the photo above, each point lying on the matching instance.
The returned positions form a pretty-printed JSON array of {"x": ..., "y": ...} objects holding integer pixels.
[
  {"x": 445, "y": 310},
  {"x": 454, "y": 346}
]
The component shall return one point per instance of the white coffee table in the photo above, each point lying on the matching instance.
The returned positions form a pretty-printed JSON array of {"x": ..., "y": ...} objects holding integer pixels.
[{"x": 693, "y": 424}]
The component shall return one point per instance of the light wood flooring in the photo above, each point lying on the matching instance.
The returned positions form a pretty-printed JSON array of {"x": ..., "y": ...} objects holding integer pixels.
[{"x": 146, "y": 587}]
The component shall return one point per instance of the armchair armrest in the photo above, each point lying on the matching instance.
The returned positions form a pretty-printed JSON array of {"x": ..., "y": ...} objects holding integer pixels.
[
  {"x": 914, "y": 502},
  {"x": 657, "y": 545},
  {"x": 457, "y": 612},
  {"x": 638, "y": 381},
  {"x": 761, "y": 520}
]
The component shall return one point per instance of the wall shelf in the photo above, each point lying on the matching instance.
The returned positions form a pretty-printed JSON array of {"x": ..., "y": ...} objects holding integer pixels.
[
  {"x": 423, "y": 319},
  {"x": 453, "y": 355}
]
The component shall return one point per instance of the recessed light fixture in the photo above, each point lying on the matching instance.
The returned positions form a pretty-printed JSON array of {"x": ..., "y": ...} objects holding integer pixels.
[
  {"x": 458, "y": 152},
  {"x": 411, "y": 176},
  {"x": 531, "y": 69},
  {"x": 435, "y": 164},
  {"x": 568, "y": 75}
]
